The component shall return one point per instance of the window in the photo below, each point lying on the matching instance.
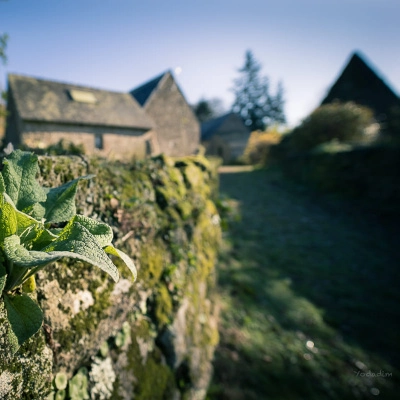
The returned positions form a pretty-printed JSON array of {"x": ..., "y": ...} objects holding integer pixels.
[
  {"x": 82, "y": 96},
  {"x": 148, "y": 147},
  {"x": 98, "y": 141}
]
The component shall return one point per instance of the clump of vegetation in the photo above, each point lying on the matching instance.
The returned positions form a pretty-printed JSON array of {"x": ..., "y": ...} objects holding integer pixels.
[
  {"x": 37, "y": 227},
  {"x": 259, "y": 146},
  {"x": 343, "y": 122}
]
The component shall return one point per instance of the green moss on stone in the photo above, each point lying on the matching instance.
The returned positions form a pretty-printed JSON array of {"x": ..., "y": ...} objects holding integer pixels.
[
  {"x": 157, "y": 384},
  {"x": 194, "y": 177},
  {"x": 163, "y": 306},
  {"x": 152, "y": 262},
  {"x": 154, "y": 379},
  {"x": 185, "y": 209},
  {"x": 86, "y": 321},
  {"x": 27, "y": 374}
]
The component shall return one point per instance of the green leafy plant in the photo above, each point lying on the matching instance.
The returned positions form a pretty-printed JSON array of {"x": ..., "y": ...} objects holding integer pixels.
[
  {"x": 30, "y": 239},
  {"x": 259, "y": 145}
]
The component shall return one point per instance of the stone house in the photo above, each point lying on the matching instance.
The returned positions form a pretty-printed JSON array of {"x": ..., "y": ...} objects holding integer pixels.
[
  {"x": 225, "y": 137},
  {"x": 359, "y": 83},
  {"x": 42, "y": 112},
  {"x": 107, "y": 123},
  {"x": 177, "y": 131}
]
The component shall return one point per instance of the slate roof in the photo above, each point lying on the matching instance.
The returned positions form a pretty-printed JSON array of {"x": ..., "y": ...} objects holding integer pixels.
[
  {"x": 359, "y": 83},
  {"x": 209, "y": 128},
  {"x": 49, "y": 101},
  {"x": 143, "y": 92}
]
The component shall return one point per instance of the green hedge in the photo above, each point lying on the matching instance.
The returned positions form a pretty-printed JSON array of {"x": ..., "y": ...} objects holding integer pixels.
[{"x": 370, "y": 174}]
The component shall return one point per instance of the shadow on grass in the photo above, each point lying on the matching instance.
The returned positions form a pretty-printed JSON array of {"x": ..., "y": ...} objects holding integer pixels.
[{"x": 309, "y": 292}]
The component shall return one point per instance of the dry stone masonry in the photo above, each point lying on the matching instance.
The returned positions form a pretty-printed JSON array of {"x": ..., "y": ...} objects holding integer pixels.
[{"x": 152, "y": 339}]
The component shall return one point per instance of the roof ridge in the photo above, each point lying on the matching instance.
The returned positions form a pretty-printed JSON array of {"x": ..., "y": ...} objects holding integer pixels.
[
  {"x": 360, "y": 81},
  {"x": 59, "y": 82},
  {"x": 143, "y": 92}
]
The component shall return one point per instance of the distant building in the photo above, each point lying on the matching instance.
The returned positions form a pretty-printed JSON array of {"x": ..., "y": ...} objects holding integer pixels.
[
  {"x": 359, "y": 83},
  {"x": 225, "y": 137},
  {"x": 42, "y": 112},
  {"x": 154, "y": 118},
  {"x": 177, "y": 131}
]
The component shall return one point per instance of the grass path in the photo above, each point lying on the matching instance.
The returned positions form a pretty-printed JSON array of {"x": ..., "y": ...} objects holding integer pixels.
[{"x": 309, "y": 292}]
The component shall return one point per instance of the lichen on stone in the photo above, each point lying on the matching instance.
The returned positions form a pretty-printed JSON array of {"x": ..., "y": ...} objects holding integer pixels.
[
  {"x": 102, "y": 377},
  {"x": 6, "y": 386}
]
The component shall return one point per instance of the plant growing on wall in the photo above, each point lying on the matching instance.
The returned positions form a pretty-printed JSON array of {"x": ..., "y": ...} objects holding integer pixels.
[{"x": 30, "y": 239}]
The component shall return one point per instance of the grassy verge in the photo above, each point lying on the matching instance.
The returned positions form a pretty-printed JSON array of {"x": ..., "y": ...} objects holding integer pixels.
[{"x": 309, "y": 293}]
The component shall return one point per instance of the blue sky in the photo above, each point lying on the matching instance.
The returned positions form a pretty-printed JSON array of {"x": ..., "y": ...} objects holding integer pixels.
[{"x": 119, "y": 44}]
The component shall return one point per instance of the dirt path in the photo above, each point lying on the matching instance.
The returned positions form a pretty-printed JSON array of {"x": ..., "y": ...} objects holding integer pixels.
[{"x": 310, "y": 292}]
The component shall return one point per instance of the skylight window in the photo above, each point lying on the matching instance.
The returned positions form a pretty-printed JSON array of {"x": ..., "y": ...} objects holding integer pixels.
[{"x": 82, "y": 96}]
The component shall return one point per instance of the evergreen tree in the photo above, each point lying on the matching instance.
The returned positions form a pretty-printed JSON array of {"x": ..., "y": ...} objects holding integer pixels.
[
  {"x": 253, "y": 101},
  {"x": 3, "y": 45},
  {"x": 208, "y": 109},
  {"x": 203, "y": 111}
]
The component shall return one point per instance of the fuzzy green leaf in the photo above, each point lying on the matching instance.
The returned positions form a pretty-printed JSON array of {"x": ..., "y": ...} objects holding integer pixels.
[
  {"x": 76, "y": 241},
  {"x": 124, "y": 257},
  {"x": 8, "y": 221},
  {"x": 101, "y": 231},
  {"x": 2, "y": 184},
  {"x": 30, "y": 235},
  {"x": 60, "y": 203},
  {"x": 29, "y": 285},
  {"x": 43, "y": 239},
  {"x": 22, "y": 257},
  {"x": 23, "y": 220},
  {"x": 25, "y": 317},
  {"x": 19, "y": 174},
  {"x": 3, "y": 275}
]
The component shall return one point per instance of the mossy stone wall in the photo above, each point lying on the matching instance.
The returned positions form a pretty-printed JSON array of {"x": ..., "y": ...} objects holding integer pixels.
[{"x": 152, "y": 339}]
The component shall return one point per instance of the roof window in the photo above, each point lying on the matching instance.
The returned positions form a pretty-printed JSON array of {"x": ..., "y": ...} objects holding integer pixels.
[{"x": 82, "y": 96}]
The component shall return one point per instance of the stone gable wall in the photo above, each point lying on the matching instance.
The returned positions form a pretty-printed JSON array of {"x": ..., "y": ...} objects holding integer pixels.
[{"x": 178, "y": 131}]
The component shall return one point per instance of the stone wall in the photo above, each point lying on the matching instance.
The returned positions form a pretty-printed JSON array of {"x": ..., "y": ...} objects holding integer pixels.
[
  {"x": 152, "y": 339},
  {"x": 116, "y": 143}
]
